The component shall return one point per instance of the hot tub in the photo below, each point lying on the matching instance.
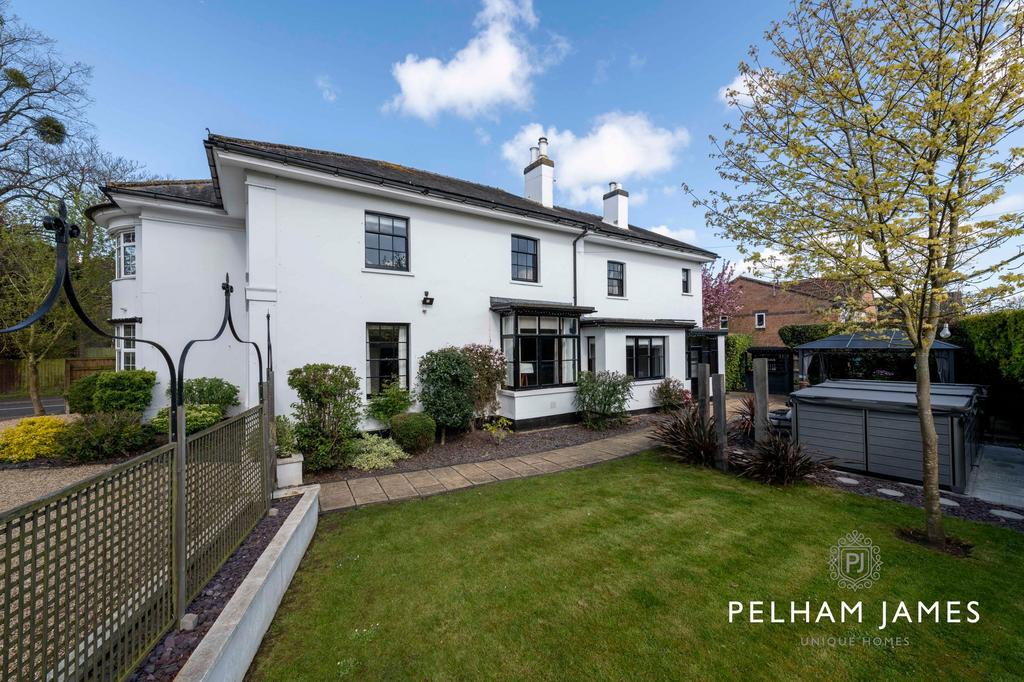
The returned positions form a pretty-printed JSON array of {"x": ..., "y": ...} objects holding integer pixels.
[{"x": 872, "y": 427}]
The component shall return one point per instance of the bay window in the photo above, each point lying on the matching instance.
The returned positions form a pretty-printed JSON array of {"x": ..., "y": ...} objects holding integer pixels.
[
  {"x": 125, "y": 254},
  {"x": 124, "y": 349},
  {"x": 645, "y": 357},
  {"x": 540, "y": 350}
]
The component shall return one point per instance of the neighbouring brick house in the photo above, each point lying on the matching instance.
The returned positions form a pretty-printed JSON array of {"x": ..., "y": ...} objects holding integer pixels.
[{"x": 768, "y": 306}]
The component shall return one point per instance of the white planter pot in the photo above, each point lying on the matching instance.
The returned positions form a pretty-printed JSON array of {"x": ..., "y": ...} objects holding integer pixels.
[{"x": 289, "y": 471}]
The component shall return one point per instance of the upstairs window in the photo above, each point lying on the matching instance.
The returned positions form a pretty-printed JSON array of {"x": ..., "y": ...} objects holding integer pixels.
[
  {"x": 124, "y": 349},
  {"x": 723, "y": 322},
  {"x": 616, "y": 278},
  {"x": 760, "y": 320},
  {"x": 686, "y": 280},
  {"x": 645, "y": 357},
  {"x": 387, "y": 242},
  {"x": 125, "y": 255},
  {"x": 539, "y": 350},
  {"x": 524, "y": 259},
  {"x": 387, "y": 356}
]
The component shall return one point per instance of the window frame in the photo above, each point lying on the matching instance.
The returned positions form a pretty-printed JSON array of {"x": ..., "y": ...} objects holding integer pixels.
[
  {"x": 621, "y": 280},
  {"x": 408, "y": 242},
  {"x": 369, "y": 376},
  {"x": 119, "y": 252},
  {"x": 123, "y": 348},
  {"x": 591, "y": 354},
  {"x": 764, "y": 319},
  {"x": 723, "y": 322},
  {"x": 634, "y": 343},
  {"x": 687, "y": 281},
  {"x": 536, "y": 258},
  {"x": 559, "y": 337}
]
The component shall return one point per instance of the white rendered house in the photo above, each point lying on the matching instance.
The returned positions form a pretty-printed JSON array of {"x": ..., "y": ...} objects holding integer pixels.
[{"x": 371, "y": 264}]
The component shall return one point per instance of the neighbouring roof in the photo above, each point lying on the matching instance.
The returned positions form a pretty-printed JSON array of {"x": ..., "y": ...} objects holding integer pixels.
[
  {"x": 521, "y": 305},
  {"x": 888, "y": 339},
  {"x": 889, "y": 395},
  {"x": 413, "y": 179},
  {"x": 822, "y": 288},
  {"x": 637, "y": 322}
]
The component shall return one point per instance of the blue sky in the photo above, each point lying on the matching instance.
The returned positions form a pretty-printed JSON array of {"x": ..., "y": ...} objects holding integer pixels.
[{"x": 626, "y": 91}]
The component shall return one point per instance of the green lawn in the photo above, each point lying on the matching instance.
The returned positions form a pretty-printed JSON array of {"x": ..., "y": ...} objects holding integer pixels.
[{"x": 625, "y": 571}]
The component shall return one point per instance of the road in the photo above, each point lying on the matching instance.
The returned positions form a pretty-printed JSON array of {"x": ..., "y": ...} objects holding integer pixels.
[{"x": 12, "y": 408}]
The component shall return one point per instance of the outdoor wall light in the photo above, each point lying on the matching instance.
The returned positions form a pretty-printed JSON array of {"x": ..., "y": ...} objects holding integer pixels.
[{"x": 427, "y": 298}]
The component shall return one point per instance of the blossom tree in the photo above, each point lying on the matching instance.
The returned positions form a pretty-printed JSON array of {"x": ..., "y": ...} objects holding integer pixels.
[{"x": 721, "y": 296}]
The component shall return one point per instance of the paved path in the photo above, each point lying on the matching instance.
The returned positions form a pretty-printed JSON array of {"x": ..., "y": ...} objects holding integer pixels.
[
  {"x": 1000, "y": 476},
  {"x": 374, "y": 489}
]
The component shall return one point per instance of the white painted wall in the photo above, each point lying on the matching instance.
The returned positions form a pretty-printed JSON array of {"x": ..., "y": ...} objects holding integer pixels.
[{"x": 181, "y": 262}]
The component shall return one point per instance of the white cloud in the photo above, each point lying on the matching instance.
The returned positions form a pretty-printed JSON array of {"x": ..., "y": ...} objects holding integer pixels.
[
  {"x": 684, "y": 234},
  {"x": 495, "y": 67},
  {"x": 670, "y": 190},
  {"x": 736, "y": 92},
  {"x": 482, "y": 136},
  {"x": 638, "y": 198},
  {"x": 601, "y": 67},
  {"x": 1008, "y": 203},
  {"x": 620, "y": 146},
  {"x": 326, "y": 88},
  {"x": 636, "y": 61},
  {"x": 770, "y": 259}
]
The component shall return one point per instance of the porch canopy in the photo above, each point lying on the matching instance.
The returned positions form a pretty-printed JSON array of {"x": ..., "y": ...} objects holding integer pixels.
[{"x": 862, "y": 343}]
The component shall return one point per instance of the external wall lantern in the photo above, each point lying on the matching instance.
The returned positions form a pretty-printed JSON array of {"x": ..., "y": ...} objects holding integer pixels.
[{"x": 427, "y": 298}]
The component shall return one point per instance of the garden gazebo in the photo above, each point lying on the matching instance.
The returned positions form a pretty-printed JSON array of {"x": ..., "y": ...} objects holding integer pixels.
[{"x": 862, "y": 345}]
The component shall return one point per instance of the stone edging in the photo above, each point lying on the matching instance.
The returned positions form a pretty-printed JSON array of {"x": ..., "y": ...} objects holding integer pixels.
[{"x": 229, "y": 647}]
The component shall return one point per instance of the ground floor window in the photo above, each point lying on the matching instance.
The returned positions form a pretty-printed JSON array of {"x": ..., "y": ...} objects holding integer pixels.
[
  {"x": 645, "y": 357},
  {"x": 591, "y": 354},
  {"x": 125, "y": 348},
  {"x": 540, "y": 350},
  {"x": 387, "y": 355}
]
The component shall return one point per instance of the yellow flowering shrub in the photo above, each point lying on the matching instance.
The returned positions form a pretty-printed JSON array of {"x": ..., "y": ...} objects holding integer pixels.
[{"x": 32, "y": 438}]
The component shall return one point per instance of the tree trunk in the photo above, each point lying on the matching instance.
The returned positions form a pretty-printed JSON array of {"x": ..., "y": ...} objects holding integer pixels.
[
  {"x": 929, "y": 450},
  {"x": 33, "y": 385}
]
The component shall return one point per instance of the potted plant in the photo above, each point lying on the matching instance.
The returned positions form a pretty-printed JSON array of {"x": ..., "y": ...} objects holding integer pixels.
[{"x": 289, "y": 461}]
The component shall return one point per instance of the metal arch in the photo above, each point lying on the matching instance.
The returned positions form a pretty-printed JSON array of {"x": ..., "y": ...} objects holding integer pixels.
[
  {"x": 226, "y": 323},
  {"x": 62, "y": 233}
]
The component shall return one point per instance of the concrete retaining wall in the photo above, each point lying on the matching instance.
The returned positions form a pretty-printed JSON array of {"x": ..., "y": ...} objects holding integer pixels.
[{"x": 229, "y": 647}]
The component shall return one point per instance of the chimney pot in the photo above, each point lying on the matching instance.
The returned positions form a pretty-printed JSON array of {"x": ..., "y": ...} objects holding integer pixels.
[
  {"x": 542, "y": 144},
  {"x": 540, "y": 175},
  {"x": 534, "y": 153},
  {"x": 616, "y": 206}
]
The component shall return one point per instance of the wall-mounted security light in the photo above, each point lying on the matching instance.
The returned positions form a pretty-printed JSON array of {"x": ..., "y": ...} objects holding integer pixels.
[{"x": 427, "y": 298}]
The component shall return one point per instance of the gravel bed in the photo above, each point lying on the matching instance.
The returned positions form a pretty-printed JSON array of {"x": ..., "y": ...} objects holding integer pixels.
[
  {"x": 478, "y": 446},
  {"x": 169, "y": 655},
  {"x": 969, "y": 508},
  {"x": 23, "y": 483}
]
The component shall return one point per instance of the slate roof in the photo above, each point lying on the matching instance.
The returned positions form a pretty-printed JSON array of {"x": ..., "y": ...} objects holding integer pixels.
[
  {"x": 417, "y": 180},
  {"x": 822, "y": 288}
]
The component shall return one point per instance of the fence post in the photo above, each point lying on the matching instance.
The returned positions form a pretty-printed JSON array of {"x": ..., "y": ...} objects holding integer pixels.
[
  {"x": 721, "y": 420},
  {"x": 760, "y": 399},
  {"x": 269, "y": 456},
  {"x": 703, "y": 400},
  {"x": 180, "y": 520}
]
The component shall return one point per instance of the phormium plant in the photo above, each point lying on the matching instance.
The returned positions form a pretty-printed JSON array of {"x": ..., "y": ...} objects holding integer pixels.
[
  {"x": 687, "y": 437},
  {"x": 777, "y": 461}
]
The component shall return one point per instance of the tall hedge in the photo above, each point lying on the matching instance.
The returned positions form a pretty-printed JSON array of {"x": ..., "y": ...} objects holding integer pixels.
[
  {"x": 993, "y": 346},
  {"x": 736, "y": 346},
  {"x": 794, "y": 335}
]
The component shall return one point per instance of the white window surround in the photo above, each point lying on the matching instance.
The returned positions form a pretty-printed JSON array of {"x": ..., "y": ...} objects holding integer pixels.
[
  {"x": 723, "y": 322},
  {"x": 760, "y": 320},
  {"x": 382, "y": 271},
  {"x": 125, "y": 254},
  {"x": 687, "y": 282}
]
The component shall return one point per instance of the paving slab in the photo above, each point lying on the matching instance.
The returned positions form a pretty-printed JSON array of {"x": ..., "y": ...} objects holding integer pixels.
[
  {"x": 397, "y": 487},
  {"x": 335, "y": 495},
  {"x": 540, "y": 464},
  {"x": 424, "y": 482},
  {"x": 948, "y": 503},
  {"x": 474, "y": 474},
  {"x": 520, "y": 467},
  {"x": 450, "y": 478},
  {"x": 367, "y": 490},
  {"x": 495, "y": 468}
]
